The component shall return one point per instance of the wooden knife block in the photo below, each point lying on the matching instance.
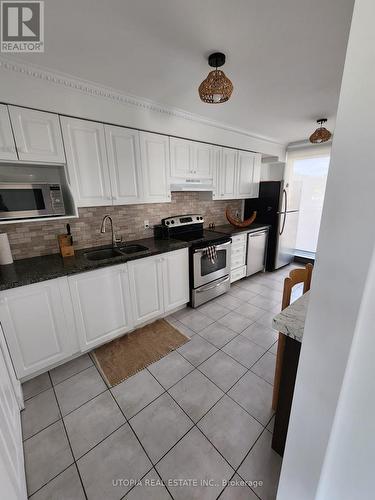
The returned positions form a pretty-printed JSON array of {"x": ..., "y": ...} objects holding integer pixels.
[{"x": 65, "y": 244}]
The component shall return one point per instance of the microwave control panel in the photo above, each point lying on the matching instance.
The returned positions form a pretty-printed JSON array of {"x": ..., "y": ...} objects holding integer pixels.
[{"x": 57, "y": 199}]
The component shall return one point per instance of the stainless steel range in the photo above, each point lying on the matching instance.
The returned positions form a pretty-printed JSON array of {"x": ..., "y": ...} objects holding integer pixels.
[{"x": 209, "y": 255}]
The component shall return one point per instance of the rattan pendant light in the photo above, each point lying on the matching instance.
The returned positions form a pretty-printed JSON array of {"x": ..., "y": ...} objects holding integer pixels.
[
  {"x": 216, "y": 88},
  {"x": 321, "y": 134}
]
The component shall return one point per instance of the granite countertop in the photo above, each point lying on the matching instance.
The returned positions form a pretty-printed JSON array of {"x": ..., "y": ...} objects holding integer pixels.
[
  {"x": 291, "y": 321},
  {"x": 232, "y": 230},
  {"x": 26, "y": 271}
]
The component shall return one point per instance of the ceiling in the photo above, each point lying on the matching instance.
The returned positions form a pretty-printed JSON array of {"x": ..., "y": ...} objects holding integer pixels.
[{"x": 285, "y": 57}]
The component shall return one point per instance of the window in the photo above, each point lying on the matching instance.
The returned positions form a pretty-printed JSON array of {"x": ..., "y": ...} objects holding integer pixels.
[{"x": 309, "y": 170}]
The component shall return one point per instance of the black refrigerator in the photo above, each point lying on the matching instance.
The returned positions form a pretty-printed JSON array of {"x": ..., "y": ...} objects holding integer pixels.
[{"x": 278, "y": 208}]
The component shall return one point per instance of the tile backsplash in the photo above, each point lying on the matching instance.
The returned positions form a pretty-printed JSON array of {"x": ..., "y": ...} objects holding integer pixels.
[{"x": 30, "y": 239}]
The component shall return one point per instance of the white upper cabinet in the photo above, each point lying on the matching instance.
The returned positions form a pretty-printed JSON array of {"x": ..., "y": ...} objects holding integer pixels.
[
  {"x": 228, "y": 174},
  {"x": 175, "y": 278},
  {"x": 37, "y": 135},
  {"x": 87, "y": 162},
  {"x": 237, "y": 175},
  {"x": 256, "y": 175},
  {"x": 181, "y": 158},
  {"x": 155, "y": 167},
  {"x": 38, "y": 326},
  {"x": 203, "y": 160},
  {"x": 102, "y": 305},
  {"x": 124, "y": 161},
  {"x": 216, "y": 156},
  {"x": 190, "y": 159},
  {"x": 7, "y": 145},
  {"x": 248, "y": 174}
]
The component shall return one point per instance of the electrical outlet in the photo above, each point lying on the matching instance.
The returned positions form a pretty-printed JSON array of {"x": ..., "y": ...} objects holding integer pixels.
[{"x": 146, "y": 224}]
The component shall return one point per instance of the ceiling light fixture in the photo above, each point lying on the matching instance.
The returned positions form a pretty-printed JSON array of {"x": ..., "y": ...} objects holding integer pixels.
[
  {"x": 216, "y": 88},
  {"x": 321, "y": 134}
]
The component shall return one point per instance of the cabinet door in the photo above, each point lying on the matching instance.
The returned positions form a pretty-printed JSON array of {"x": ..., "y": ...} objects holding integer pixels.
[
  {"x": 87, "y": 162},
  {"x": 248, "y": 175},
  {"x": 38, "y": 326},
  {"x": 101, "y": 302},
  {"x": 181, "y": 158},
  {"x": 124, "y": 164},
  {"x": 245, "y": 174},
  {"x": 256, "y": 175},
  {"x": 37, "y": 135},
  {"x": 146, "y": 289},
  {"x": 216, "y": 155},
  {"x": 175, "y": 279},
  {"x": 12, "y": 472},
  {"x": 203, "y": 160},
  {"x": 155, "y": 167},
  {"x": 7, "y": 145},
  {"x": 228, "y": 177}
]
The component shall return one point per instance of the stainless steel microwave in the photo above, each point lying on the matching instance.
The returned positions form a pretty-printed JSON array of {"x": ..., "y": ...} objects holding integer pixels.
[{"x": 27, "y": 201}]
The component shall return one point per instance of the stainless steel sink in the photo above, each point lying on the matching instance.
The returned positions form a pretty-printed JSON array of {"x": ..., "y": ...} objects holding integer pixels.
[
  {"x": 103, "y": 254},
  {"x": 129, "y": 249},
  {"x": 110, "y": 253}
]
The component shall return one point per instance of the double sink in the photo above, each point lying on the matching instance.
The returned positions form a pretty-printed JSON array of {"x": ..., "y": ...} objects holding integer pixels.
[{"x": 112, "y": 252}]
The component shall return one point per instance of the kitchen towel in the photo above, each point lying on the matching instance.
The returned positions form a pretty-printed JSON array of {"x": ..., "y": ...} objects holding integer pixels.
[
  {"x": 5, "y": 252},
  {"x": 211, "y": 254}
]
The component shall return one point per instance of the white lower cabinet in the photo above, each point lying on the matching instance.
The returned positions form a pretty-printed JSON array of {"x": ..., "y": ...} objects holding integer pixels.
[
  {"x": 238, "y": 257},
  {"x": 47, "y": 323},
  {"x": 38, "y": 326},
  {"x": 101, "y": 303},
  {"x": 12, "y": 469},
  {"x": 146, "y": 288},
  {"x": 175, "y": 278},
  {"x": 159, "y": 284}
]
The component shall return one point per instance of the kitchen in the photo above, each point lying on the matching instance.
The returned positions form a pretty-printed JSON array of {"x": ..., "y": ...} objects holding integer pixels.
[{"x": 145, "y": 256}]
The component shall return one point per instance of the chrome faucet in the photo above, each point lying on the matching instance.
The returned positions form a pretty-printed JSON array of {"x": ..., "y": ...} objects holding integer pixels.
[{"x": 102, "y": 230}]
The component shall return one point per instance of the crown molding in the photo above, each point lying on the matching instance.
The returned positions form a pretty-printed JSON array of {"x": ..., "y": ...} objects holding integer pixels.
[
  {"x": 101, "y": 92},
  {"x": 306, "y": 144}
]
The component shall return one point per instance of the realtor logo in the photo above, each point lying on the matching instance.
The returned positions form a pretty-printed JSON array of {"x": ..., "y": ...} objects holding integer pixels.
[{"x": 22, "y": 26}]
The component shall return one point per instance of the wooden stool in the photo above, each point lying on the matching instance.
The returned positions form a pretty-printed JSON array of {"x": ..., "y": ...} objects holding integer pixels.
[{"x": 302, "y": 275}]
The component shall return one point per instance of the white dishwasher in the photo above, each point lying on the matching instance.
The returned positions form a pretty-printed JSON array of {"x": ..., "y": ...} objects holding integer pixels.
[{"x": 256, "y": 251}]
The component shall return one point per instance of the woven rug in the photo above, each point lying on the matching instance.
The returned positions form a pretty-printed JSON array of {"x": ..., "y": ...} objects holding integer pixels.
[{"x": 127, "y": 355}]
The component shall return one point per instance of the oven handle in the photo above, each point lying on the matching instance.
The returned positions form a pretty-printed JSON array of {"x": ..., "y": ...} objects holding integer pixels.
[
  {"x": 211, "y": 287},
  {"x": 218, "y": 247}
]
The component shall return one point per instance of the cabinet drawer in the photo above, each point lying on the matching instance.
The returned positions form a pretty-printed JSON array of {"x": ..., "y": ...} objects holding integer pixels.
[
  {"x": 237, "y": 274},
  {"x": 239, "y": 238},
  {"x": 238, "y": 261},
  {"x": 237, "y": 251}
]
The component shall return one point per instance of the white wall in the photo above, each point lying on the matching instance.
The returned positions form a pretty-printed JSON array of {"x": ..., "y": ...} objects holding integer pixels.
[
  {"x": 27, "y": 85},
  {"x": 345, "y": 248},
  {"x": 348, "y": 471}
]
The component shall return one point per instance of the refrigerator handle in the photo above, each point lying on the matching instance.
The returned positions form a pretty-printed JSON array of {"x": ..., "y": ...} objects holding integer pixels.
[
  {"x": 283, "y": 226},
  {"x": 285, "y": 199}
]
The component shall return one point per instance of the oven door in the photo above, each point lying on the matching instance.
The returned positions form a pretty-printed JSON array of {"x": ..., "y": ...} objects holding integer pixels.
[
  {"x": 205, "y": 271},
  {"x": 18, "y": 201}
]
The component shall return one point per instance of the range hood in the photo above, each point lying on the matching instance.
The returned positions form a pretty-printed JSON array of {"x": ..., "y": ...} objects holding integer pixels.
[{"x": 191, "y": 185}]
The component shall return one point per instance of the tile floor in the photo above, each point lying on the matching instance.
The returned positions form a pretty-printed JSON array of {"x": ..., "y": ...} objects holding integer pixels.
[{"x": 202, "y": 412}]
